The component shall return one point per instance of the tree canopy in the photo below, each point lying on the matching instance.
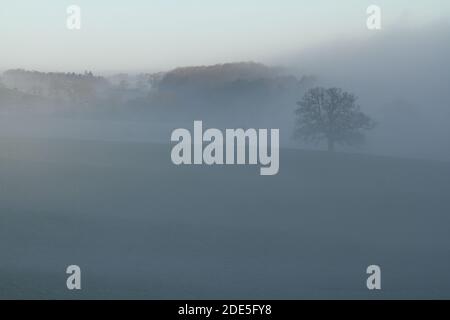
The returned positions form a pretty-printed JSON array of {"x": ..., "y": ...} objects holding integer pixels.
[{"x": 332, "y": 115}]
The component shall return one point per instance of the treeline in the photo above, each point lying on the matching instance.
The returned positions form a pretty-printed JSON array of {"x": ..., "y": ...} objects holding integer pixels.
[
  {"x": 71, "y": 87},
  {"x": 245, "y": 85}
]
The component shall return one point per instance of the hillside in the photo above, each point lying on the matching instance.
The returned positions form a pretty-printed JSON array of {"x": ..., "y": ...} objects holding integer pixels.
[{"x": 140, "y": 227}]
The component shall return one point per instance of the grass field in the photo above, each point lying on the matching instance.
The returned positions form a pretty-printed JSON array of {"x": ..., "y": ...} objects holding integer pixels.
[{"x": 140, "y": 227}]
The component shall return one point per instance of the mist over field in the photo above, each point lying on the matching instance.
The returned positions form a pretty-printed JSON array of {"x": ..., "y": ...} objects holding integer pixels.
[
  {"x": 140, "y": 227},
  {"x": 406, "y": 96},
  {"x": 401, "y": 77},
  {"x": 86, "y": 175}
]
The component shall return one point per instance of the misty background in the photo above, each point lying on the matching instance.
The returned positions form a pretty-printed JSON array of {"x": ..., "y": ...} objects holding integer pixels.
[
  {"x": 85, "y": 171},
  {"x": 398, "y": 73}
]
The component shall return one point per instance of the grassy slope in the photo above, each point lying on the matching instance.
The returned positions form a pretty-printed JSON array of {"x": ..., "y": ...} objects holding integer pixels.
[{"x": 141, "y": 227}]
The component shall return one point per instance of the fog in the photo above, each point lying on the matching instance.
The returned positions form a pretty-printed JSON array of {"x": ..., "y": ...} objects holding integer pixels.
[
  {"x": 401, "y": 77},
  {"x": 156, "y": 35},
  {"x": 87, "y": 178}
]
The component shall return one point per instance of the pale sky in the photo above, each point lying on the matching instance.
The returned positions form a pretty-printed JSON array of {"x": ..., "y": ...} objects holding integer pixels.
[{"x": 151, "y": 35}]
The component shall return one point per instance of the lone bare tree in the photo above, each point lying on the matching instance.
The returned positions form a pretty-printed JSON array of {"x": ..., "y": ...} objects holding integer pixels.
[{"x": 331, "y": 115}]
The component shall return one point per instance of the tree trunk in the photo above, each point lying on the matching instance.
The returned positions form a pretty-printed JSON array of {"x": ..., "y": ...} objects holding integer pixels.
[{"x": 330, "y": 145}]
